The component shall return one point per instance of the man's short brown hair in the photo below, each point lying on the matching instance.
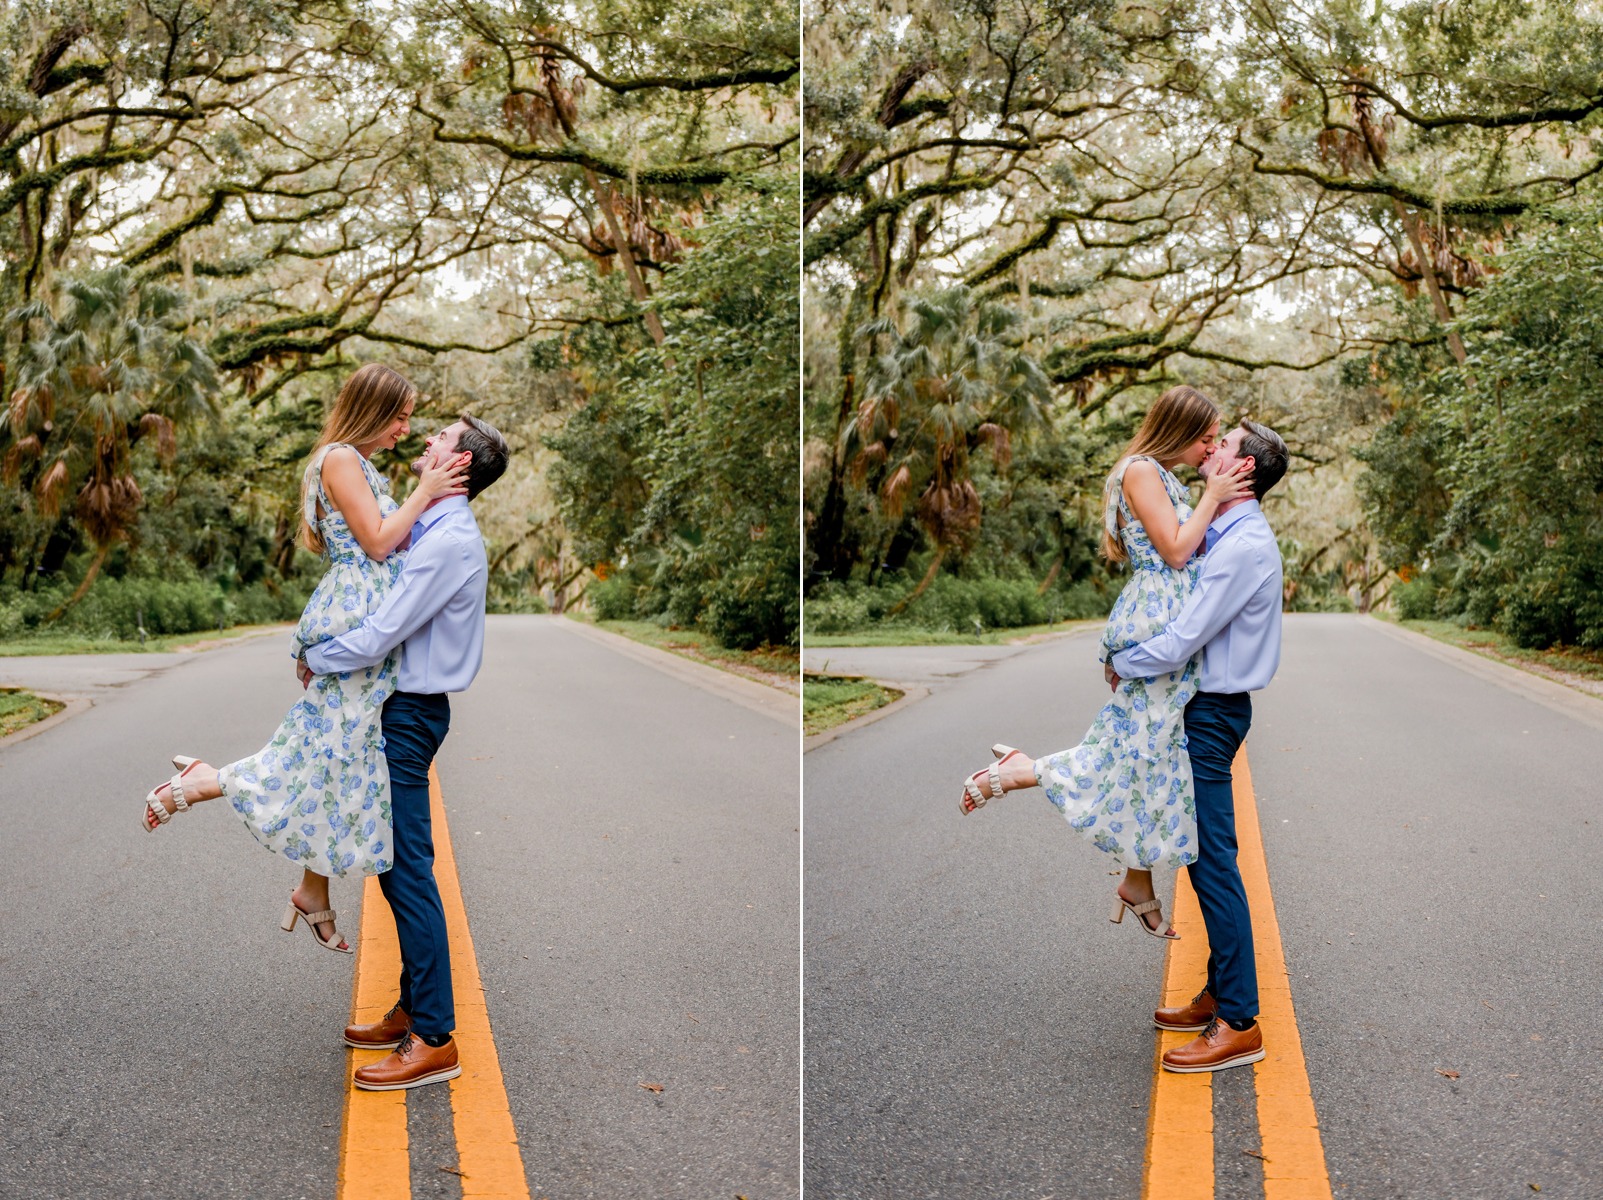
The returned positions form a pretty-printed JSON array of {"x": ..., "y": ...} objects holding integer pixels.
[
  {"x": 1268, "y": 453},
  {"x": 489, "y": 450}
]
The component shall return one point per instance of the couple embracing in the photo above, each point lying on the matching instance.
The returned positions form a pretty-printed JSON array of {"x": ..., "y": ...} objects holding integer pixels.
[
  {"x": 395, "y": 625},
  {"x": 1193, "y": 633}
]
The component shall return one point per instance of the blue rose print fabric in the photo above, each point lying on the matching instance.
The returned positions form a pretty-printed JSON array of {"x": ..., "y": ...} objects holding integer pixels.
[
  {"x": 319, "y": 792},
  {"x": 1128, "y": 785}
]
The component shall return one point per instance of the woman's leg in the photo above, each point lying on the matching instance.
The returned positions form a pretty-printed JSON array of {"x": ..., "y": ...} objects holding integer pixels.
[{"x": 312, "y": 896}]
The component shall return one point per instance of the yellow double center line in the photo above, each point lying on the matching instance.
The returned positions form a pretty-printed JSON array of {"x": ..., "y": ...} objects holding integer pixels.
[
  {"x": 1180, "y": 1144},
  {"x": 375, "y": 1158}
]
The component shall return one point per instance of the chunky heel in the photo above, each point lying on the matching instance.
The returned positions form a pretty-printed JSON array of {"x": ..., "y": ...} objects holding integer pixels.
[
  {"x": 290, "y": 914},
  {"x": 1117, "y": 915},
  {"x": 1001, "y": 751},
  {"x": 183, "y": 762}
]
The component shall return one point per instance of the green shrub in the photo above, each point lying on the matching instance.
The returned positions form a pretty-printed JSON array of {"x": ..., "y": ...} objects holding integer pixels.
[
  {"x": 612, "y": 598},
  {"x": 951, "y": 604},
  {"x": 1559, "y": 602},
  {"x": 1416, "y": 599},
  {"x": 755, "y": 605},
  {"x": 113, "y": 608}
]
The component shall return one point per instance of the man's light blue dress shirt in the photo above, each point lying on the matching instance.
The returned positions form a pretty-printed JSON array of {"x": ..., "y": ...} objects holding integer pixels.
[
  {"x": 435, "y": 611},
  {"x": 1233, "y": 616}
]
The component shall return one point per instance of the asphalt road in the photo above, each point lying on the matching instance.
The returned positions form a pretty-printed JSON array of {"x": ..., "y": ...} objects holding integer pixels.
[
  {"x": 627, "y": 846},
  {"x": 976, "y": 1028}
]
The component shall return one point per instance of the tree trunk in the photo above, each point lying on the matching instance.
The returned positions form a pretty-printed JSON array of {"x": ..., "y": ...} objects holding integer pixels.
[
  {"x": 830, "y": 535},
  {"x": 83, "y": 588},
  {"x": 1428, "y": 270},
  {"x": 604, "y": 197},
  {"x": 637, "y": 285},
  {"x": 1051, "y": 577},
  {"x": 1411, "y": 226},
  {"x": 929, "y": 578}
]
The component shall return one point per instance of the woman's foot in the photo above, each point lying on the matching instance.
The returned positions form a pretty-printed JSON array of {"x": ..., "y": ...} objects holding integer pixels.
[
  {"x": 314, "y": 900},
  {"x": 199, "y": 783},
  {"x": 1136, "y": 892},
  {"x": 1013, "y": 770}
]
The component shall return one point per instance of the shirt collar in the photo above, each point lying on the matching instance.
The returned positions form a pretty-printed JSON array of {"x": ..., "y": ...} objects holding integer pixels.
[
  {"x": 1226, "y": 521},
  {"x": 439, "y": 509}
]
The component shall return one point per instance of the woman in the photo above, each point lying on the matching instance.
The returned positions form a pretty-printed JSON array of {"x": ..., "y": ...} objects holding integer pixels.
[
  {"x": 1127, "y": 786},
  {"x": 318, "y": 793}
]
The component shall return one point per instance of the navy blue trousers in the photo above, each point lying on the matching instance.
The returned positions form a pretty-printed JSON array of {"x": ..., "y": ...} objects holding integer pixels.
[
  {"x": 1216, "y": 725},
  {"x": 414, "y": 727}
]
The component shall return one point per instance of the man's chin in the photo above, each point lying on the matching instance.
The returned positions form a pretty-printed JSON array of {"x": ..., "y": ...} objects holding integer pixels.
[{"x": 417, "y": 465}]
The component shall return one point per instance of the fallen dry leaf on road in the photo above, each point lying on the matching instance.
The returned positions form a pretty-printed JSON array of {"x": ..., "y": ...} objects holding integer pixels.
[
  {"x": 454, "y": 1171},
  {"x": 1448, "y": 1074},
  {"x": 1256, "y": 1155},
  {"x": 652, "y": 1087}
]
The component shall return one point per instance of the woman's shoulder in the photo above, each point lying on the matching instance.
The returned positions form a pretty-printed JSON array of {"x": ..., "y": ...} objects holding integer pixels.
[
  {"x": 1140, "y": 469},
  {"x": 348, "y": 460}
]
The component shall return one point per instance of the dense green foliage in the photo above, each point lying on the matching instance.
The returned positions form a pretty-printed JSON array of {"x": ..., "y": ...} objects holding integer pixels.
[
  {"x": 696, "y": 440},
  {"x": 1488, "y": 485}
]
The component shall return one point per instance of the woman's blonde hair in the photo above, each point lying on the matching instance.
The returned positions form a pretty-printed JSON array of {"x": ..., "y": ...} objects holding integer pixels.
[
  {"x": 367, "y": 405},
  {"x": 1177, "y": 419}
]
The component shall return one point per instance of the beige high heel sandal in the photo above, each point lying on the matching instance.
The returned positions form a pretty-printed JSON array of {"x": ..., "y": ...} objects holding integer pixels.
[
  {"x": 973, "y": 797},
  {"x": 292, "y": 914},
  {"x": 1139, "y": 912},
  {"x": 154, "y": 806}
]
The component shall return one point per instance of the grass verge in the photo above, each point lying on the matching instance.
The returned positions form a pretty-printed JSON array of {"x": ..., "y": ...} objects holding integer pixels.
[
  {"x": 1581, "y": 669},
  {"x": 73, "y": 643},
  {"x": 907, "y": 635},
  {"x": 831, "y": 700},
  {"x": 777, "y": 666},
  {"x": 19, "y": 709}
]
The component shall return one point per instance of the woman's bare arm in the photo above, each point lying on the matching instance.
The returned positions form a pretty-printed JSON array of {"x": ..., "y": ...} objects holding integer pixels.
[
  {"x": 1174, "y": 542},
  {"x": 378, "y": 536}
]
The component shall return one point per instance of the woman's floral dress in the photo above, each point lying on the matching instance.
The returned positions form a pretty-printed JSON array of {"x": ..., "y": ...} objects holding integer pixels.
[
  {"x": 1128, "y": 786},
  {"x": 319, "y": 792}
]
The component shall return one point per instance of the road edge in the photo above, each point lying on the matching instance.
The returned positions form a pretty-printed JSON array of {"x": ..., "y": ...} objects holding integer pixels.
[
  {"x": 1566, "y": 701},
  {"x": 759, "y": 697},
  {"x": 73, "y": 705},
  {"x": 911, "y": 693}
]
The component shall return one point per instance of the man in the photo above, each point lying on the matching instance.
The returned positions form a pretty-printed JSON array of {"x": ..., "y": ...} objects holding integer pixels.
[
  {"x": 1233, "y": 617},
  {"x": 435, "y": 613}
]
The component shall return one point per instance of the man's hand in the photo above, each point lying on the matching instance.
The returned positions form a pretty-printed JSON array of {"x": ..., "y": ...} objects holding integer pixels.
[
  {"x": 1111, "y": 675},
  {"x": 303, "y": 672}
]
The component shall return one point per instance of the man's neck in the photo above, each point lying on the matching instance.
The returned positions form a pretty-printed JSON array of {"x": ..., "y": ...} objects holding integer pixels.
[
  {"x": 440, "y": 500},
  {"x": 1224, "y": 508}
]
